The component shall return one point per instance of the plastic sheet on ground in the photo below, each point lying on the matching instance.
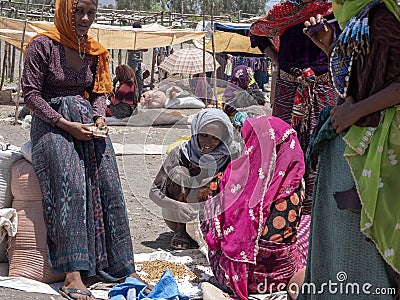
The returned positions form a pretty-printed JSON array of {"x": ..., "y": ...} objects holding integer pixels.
[
  {"x": 151, "y": 117},
  {"x": 192, "y": 260}
]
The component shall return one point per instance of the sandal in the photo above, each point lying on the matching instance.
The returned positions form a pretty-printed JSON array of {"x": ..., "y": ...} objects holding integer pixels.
[
  {"x": 183, "y": 241},
  {"x": 66, "y": 292}
]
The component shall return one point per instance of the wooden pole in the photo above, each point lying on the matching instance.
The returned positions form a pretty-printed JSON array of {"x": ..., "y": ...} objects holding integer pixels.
[
  {"x": 42, "y": 11},
  {"x": 214, "y": 59},
  {"x": 153, "y": 65},
  {"x": 119, "y": 57},
  {"x": 8, "y": 69},
  {"x": 6, "y": 63},
  {"x": 1, "y": 14},
  {"x": 12, "y": 64},
  {"x": 3, "y": 71},
  {"x": 161, "y": 73},
  {"x": 20, "y": 63},
  {"x": 13, "y": 54},
  {"x": 204, "y": 53},
  {"x": 182, "y": 13}
]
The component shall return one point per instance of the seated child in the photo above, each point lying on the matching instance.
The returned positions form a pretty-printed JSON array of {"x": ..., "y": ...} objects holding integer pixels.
[{"x": 125, "y": 99}]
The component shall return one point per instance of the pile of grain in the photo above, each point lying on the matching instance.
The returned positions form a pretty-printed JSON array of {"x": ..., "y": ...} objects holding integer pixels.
[{"x": 151, "y": 271}]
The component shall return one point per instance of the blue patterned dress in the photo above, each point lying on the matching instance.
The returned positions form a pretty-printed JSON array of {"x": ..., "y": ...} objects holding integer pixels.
[{"x": 83, "y": 204}]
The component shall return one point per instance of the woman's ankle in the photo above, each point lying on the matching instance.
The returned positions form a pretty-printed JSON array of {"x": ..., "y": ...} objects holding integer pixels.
[{"x": 73, "y": 278}]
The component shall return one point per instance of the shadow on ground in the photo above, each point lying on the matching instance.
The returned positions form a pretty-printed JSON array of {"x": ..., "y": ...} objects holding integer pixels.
[{"x": 161, "y": 242}]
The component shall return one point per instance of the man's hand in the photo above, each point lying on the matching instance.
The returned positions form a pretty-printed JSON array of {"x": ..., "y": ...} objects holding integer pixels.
[{"x": 182, "y": 212}]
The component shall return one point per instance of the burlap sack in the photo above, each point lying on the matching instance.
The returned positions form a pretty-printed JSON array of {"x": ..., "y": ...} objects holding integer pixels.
[
  {"x": 27, "y": 254},
  {"x": 7, "y": 159}
]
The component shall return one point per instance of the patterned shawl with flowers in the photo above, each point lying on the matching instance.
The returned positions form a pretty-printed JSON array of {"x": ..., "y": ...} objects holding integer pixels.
[
  {"x": 287, "y": 14},
  {"x": 64, "y": 33},
  {"x": 270, "y": 168}
]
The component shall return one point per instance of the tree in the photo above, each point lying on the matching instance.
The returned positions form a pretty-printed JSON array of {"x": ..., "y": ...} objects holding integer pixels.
[
  {"x": 232, "y": 7},
  {"x": 221, "y": 7},
  {"x": 136, "y": 5}
]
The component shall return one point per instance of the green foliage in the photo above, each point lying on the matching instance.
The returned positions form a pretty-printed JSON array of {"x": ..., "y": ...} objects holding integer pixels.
[
  {"x": 156, "y": 8},
  {"x": 136, "y": 5},
  {"x": 221, "y": 7}
]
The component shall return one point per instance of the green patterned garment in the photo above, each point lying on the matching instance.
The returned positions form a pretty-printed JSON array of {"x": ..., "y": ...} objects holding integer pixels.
[
  {"x": 344, "y": 10},
  {"x": 374, "y": 158}
]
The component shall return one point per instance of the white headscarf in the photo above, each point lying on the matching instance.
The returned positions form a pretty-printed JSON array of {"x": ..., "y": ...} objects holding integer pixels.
[{"x": 220, "y": 155}]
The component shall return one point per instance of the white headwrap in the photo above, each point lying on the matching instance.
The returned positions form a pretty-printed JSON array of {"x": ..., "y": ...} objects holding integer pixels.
[{"x": 220, "y": 155}]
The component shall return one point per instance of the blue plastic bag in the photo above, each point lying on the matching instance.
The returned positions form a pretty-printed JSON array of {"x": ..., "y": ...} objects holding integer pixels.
[{"x": 166, "y": 288}]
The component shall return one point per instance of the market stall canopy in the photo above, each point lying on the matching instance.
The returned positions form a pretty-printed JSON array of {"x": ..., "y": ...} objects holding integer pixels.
[
  {"x": 228, "y": 38},
  {"x": 231, "y": 42},
  {"x": 111, "y": 37}
]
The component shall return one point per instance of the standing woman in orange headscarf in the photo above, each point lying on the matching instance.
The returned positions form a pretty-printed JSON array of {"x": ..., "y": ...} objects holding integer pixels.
[{"x": 65, "y": 83}]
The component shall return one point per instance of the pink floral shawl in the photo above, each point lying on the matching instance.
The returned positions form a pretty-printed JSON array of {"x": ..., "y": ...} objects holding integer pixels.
[{"x": 270, "y": 168}]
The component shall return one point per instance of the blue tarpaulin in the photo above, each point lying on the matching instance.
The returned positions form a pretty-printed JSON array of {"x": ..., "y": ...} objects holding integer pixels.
[
  {"x": 239, "y": 28},
  {"x": 166, "y": 288}
]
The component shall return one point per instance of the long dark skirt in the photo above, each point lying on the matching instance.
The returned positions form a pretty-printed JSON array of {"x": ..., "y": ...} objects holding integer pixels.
[
  {"x": 84, "y": 207},
  {"x": 339, "y": 254},
  {"x": 324, "y": 95}
]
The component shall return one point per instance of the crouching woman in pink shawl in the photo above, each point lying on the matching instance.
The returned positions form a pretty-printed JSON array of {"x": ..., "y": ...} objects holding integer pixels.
[{"x": 251, "y": 227}]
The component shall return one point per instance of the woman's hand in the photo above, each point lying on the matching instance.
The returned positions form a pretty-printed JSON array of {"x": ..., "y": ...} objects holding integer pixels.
[
  {"x": 100, "y": 123},
  {"x": 322, "y": 38},
  {"x": 345, "y": 115},
  {"x": 79, "y": 131},
  {"x": 203, "y": 193}
]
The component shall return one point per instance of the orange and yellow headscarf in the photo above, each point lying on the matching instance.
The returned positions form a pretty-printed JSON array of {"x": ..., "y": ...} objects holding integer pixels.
[{"x": 64, "y": 33}]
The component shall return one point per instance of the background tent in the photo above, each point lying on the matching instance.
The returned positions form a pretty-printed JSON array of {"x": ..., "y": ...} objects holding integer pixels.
[
  {"x": 231, "y": 39},
  {"x": 232, "y": 42},
  {"x": 150, "y": 36}
]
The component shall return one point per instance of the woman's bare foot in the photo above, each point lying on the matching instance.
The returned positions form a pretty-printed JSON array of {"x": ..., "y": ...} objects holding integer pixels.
[{"x": 74, "y": 287}]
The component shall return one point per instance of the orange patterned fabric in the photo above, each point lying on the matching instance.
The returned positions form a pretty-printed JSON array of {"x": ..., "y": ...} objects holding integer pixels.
[
  {"x": 281, "y": 225},
  {"x": 64, "y": 33}
]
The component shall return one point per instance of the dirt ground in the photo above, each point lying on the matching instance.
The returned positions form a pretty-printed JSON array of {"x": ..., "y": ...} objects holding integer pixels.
[{"x": 148, "y": 229}]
